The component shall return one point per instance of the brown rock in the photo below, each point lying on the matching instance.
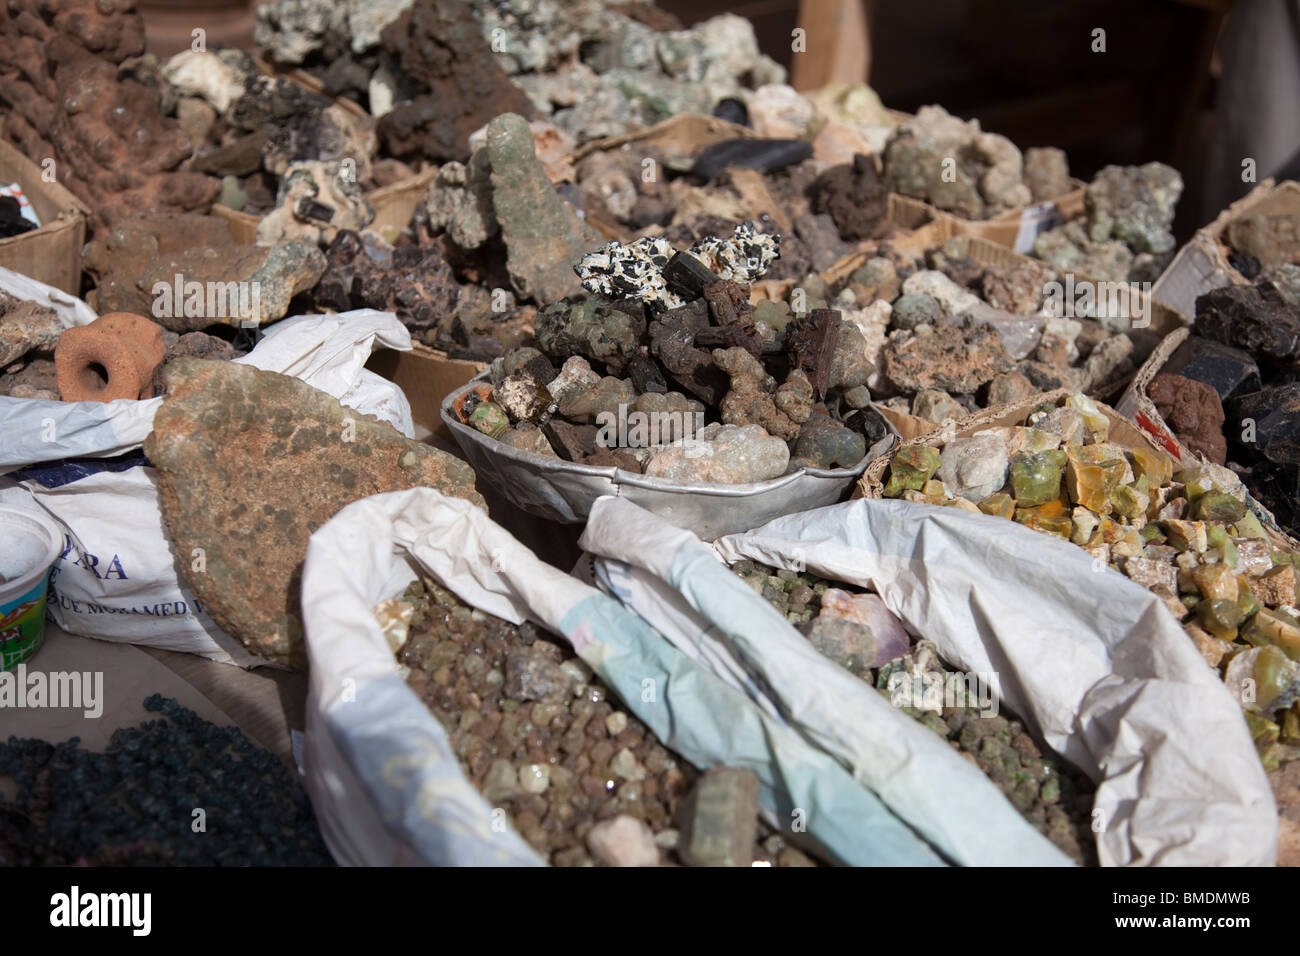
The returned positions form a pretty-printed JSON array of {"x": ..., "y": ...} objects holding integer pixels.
[
  {"x": 458, "y": 84},
  {"x": 236, "y": 283},
  {"x": 1009, "y": 387},
  {"x": 199, "y": 345},
  {"x": 947, "y": 358},
  {"x": 250, "y": 463},
  {"x": 1018, "y": 289},
  {"x": 1193, "y": 410},
  {"x": 63, "y": 97},
  {"x": 111, "y": 358},
  {"x": 856, "y": 198}
]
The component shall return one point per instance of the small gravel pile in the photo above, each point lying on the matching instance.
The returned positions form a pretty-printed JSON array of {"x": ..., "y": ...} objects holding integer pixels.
[
  {"x": 134, "y": 804},
  {"x": 1050, "y": 794},
  {"x": 581, "y": 780}
]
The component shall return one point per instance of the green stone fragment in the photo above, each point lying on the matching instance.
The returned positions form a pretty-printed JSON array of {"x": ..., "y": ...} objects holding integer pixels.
[
  {"x": 1218, "y": 506},
  {"x": 1248, "y": 526},
  {"x": 910, "y": 469},
  {"x": 999, "y": 504},
  {"x": 1035, "y": 479},
  {"x": 1220, "y": 614}
]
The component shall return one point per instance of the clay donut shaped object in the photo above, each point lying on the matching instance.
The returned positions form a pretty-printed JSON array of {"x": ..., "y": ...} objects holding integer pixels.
[{"x": 111, "y": 358}]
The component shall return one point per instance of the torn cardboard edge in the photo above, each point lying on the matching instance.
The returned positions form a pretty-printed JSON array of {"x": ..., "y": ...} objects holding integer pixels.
[
  {"x": 52, "y": 252},
  {"x": 1202, "y": 264}
]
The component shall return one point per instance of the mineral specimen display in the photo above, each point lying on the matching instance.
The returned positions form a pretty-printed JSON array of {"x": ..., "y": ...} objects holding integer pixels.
[
  {"x": 1186, "y": 535},
  {"x": 281, "y": 458},
  {"x": 660, "y": 320},
  {"x": 1126, "y": 236},
  {"x": 583, "y": 781}
]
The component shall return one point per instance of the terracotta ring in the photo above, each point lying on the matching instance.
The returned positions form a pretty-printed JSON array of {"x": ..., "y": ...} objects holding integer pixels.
[{"x": 113, "y": 357}]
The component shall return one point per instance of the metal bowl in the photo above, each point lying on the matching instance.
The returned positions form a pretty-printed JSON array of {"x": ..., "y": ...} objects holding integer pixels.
[{"x": 564, "y": 491}]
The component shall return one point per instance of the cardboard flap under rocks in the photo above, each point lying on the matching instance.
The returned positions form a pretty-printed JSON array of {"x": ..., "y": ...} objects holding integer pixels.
[
  {"x": 676, "y": 584},
  {"x": 1111, "y": 682},
  {"x": 383, "y": 770},
  {"x": 119, "y": 578}
]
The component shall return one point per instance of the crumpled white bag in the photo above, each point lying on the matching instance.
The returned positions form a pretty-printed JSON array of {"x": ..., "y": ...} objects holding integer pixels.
[
  {"x": 1090, "y": 660},
  {"x": 116, "y": 578},
  {"x": 677, "y": 584},
  {"x": 383, "y": 780}
]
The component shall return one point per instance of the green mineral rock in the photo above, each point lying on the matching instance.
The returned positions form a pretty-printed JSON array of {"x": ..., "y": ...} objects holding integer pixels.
[
  {"x": 1276, "y": 627},
  {"x": 911, "y": 468},
  {"x": 1218, "y": 506},
  {"x": 1000, "y": 504},
  {"x": 490, "y": 418},
  {"x": 1036, "y": 478}
]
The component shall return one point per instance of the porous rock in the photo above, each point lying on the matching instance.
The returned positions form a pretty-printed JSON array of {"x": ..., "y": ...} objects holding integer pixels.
[{"x": 249, "y": 464}]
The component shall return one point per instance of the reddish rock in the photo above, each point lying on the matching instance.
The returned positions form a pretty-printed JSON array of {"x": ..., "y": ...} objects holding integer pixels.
[
  {"x": 113, "y": 357},
  {"x": 458, "y": 85},
  {"x": 1192, "y": 409},
  {"x": 62, "y": 98}
]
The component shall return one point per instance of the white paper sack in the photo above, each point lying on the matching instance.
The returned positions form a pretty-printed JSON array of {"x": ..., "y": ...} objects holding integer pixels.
[
  {"x": 914, "y": 771},
  {"x": 1089, "y": 659},
  {"x": 382, "y": 778},
  {"x": 117, "y": 579}
]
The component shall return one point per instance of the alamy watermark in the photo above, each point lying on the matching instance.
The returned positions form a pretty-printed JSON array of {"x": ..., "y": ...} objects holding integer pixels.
[
  {"x": 936, "y": 691},
  {"x": 1085, "y": 299},
  {"x": 647, "y": 429},
  {"x": 20, "y": 688},
  {"x": 213, "y": 300}
]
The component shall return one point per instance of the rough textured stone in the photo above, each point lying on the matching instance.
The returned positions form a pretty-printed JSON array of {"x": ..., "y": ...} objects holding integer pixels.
[
  {"x": 250, "y": 463},
  {"x": 413, "y": 281},
  {"x": 316, "y": 200},
  {"x": 128, "y": 262},
  {"x": 721, "y": 819},
  {"x": 1009, "y": 387},
  {"x": 1047, "y": 172},
  {"x": 458, "y": 83},
  {"x": 544, "y": 237},
  {"x": 722, "y": 454},
  {"x": 63, "y": 97},
  {"x": 1192, "y": 409},
  {"x": 25, "y": 327},
  {"x": 974, "y": 467},
  {"x": 937, "y": 406},
  {"x": 947, "y": 358},
  {"x": 856, "y": 198}
]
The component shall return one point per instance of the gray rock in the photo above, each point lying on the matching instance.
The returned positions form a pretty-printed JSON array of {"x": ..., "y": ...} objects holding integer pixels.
[
  {"x": 544, "y": 237},
  {"x": 1009, "y": 387},
  {"x": 916, "y": 308},
  {"x": 937, "y": 406},
  {"x": 974, "y": 467},
  {"x": 721, "y": 819}
]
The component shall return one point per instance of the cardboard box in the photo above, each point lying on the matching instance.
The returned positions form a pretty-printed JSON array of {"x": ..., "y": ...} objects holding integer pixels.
[
  {"x": 427, "y": 376},
  {"x": 52, "y": 253},
  {"x": 1202, "y": 264}
]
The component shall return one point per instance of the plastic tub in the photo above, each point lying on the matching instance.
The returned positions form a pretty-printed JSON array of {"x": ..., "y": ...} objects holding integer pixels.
[{"x": 29, "y": 545}]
